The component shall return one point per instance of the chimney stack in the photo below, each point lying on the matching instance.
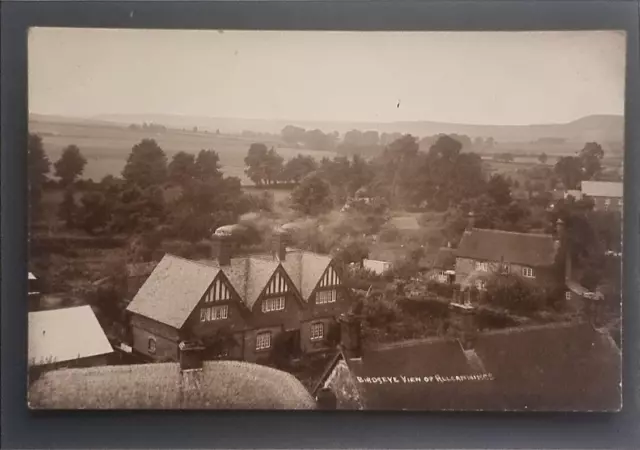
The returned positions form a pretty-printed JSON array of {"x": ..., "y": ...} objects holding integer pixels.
[
  {"x": 350, "y": 337},
  {"x": 561, "y": 232},
  {"x": 191, "y": 355},
  {"x": 472, "y": 221},
  {"x": 223, "y": 245},
  {"x": 281, "y": 238}
]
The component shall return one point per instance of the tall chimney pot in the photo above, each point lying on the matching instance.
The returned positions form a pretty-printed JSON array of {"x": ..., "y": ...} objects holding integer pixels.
[
  {"x": 281, "y": 239},
  {"x": 222, "y": 249}
]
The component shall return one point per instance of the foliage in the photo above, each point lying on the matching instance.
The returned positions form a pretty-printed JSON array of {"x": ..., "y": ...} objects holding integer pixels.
[
  {"x": 263, "y": 166},
  {"x": 68, "y": 209},
  {"x": 514, "y": 293},
  {"x": 543, "y": 158},
  {"x": 297, "y": 168},
  {"x": 312, "y": 196},
  {"x": 181, "y": 168},
  {"x": 569, "y": 170},
  {"x": 38, "y": 166},
  {"x": 146, "y": 165},
  {"x": 95, "y": 212},
  {"x": 70, "y": 165},
  {"x": 218, "y": 344},
  {"x": 591, "y": 156}
]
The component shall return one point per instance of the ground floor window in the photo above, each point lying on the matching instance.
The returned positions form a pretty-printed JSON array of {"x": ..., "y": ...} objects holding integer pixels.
[
  {"x": 567, "y": 295},
  {"x": 263, "y": 340},
  {"x": 151, "y": 346},
  {"x": 317, "y": 331}
]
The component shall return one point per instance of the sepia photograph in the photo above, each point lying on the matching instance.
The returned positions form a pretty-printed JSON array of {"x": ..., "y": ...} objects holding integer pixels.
[{"x": 325, "y": 220}]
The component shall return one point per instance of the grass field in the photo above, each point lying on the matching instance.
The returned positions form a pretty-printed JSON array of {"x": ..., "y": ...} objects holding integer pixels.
[{"x": 107, "y": 147}]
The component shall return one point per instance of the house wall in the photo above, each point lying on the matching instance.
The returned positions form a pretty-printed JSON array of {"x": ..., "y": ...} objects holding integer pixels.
[
  {"x": 288, "y": 318},
  {"x": 614, "y": 203},
  {"x": 466, "y": 266},
  {"x": 250, "y": 353},
  {"x": 166, "y": 337}
]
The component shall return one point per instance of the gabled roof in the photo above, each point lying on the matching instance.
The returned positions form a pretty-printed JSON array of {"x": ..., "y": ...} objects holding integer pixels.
[
  {"x": 444, "y": 259},
  {"x": 568, "y": 366},
  {"x": 305, "y": 269},
  {"x": 602, "y": 188},
  {"x": 176, "y": 285},
  {"x": 219, "y": 385},
  {"x": 505, "y": 246},
  {"x": 66, "y": 334},
  {"x": 173, "y": 290}
]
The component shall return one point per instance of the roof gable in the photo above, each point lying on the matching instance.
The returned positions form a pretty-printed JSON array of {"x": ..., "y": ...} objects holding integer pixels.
[
  {"x": 173, "y": 290},
  {"x": 305, "y": 270},
  {"x": 509, "y": 247},
  {"x": 65, "y": 334}
]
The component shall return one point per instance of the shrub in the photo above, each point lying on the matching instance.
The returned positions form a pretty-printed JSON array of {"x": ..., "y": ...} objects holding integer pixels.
[{"x": 514, "y": 293}]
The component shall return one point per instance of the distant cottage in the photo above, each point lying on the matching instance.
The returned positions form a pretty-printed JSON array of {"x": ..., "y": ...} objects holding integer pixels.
[
  {"x": 607, "y": 195},
  {"x": 482, "y": 252},
  {"x": 292, "y": 297}
]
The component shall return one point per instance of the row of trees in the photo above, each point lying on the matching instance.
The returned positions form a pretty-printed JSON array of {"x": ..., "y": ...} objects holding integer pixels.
[{"x": 139, "y": 202}]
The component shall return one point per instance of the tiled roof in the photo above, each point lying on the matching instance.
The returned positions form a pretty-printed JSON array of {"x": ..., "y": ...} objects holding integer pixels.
[
  {"x": 61, "y": 335},
  {"x": 219, "y": 385},
  {"x": 444, "y": 259},
  {"x": 518, "y": 248},
  {"x": 602, "y": 189},
  {"x": 177, "y": 278},
  {"x": 305, "y": 269},
  {"x": 551, "y": 367},
  {"x": 172, "y": 290}
]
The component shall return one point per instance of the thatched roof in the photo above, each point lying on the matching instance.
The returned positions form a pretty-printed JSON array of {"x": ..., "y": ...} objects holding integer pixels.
[{"x": 219, "y": 385}]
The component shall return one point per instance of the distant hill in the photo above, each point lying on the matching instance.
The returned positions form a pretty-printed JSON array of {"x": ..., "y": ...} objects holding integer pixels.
[{"x": 600, "y": 128}]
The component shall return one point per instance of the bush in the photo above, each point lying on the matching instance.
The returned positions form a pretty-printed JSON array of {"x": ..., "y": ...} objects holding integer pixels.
[{"x": 514, "y": 293}]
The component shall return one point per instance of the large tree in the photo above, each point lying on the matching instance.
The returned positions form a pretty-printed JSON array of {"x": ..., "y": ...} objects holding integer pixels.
[
  {"x": 312, "y": 196},
  {"x": 207, "y": 165},
  {"x": 70, "y": 165},
  {"x": 182, "y": 167},
  {"x": 38, "y": 168},
  {"x": 591, "y": 156},
  {"x": 297, "y": 168},
  {"x": 146, "y": 165},
  {"x": 569, "y": 170}
]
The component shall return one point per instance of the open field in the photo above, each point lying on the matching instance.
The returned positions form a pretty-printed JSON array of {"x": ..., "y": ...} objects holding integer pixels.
[{"x": 107, "y": 146}]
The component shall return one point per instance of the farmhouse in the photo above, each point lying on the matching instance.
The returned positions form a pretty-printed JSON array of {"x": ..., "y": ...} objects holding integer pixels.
[
  {"x": 482, "y": 252},
  {"x": 563, "y": 367},
  {"x": 441, "y": 267},
  {"x": 607, "y": 195},
  {"x": 254, "y": 303},
  {"x": 67, "y": 337}
]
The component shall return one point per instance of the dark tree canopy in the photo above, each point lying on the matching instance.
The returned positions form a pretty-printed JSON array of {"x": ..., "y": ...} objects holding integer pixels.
[
  {"x": 146, "y": 165},
  {"x": 70, "y": 165},
  {"x": 498, "y": 189},
  {"x": 312, "y": 196},
  {"x": 543, "y": 158},
  {"x": 207, "y": 165},
  {"x": 591, "y": 156},
  {"x": 182, "y": 167},
  {"x": 38, "y": 168},
  {"x": 263, "y": 166},
  {"x": 297, "y": 168},
  {"x": 569, "y": 170}
]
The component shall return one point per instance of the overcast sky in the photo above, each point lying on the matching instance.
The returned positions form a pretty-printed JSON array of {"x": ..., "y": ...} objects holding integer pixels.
[{"x": 465, "y": 77}]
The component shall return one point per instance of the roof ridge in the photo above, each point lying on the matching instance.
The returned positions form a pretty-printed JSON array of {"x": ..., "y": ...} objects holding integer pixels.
[{"x": 200, "y": 263}]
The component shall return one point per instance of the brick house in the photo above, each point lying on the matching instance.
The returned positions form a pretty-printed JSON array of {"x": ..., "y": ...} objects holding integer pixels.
[
  {"x": 484, "y": 252},
  {"x": 292, "y": 295},
  {"x": 606, "y": 195}
]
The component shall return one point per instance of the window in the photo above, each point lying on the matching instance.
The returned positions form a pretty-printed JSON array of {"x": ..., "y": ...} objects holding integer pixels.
[
  {"x": 607, "y": 202},
  {"x": 567, "y": 295},
  {"x": 214, "y": 313},
  {"x": 317, "y": 331},
  {"x": 620, "y": 202},
  {"x": 482, "y": 266},
  {"x": 263, "y": 340},
  {"x": 326, "y": 297},
  {"x": 481, "y": 285},
  {"x": 151, "y": 346},
  {"x": 273, "y": 304},
  {"x": 505, "y": 268},
  {"x": 528, "y": 272}
]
